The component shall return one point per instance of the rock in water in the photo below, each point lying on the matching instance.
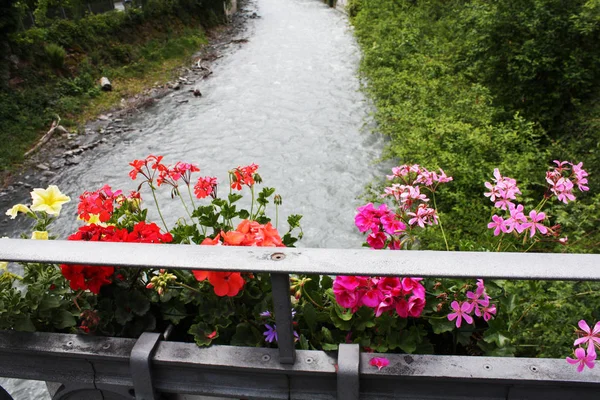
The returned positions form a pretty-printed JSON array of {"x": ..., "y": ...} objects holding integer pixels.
[
  {"x": 197, "y": 93},
  {"x": 105, "y": 84}
]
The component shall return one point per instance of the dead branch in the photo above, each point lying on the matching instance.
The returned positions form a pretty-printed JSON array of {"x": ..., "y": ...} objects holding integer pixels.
[{"x": 55, "y": 125}]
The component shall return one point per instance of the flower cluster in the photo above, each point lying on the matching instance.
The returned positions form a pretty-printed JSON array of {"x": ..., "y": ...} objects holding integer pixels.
[
  {"x": 587, "y": 337},
  {"x": 92, "y": 278},
  {"x": 382, "y": 294},
  {"x": 248, "y": 233},
  {"x": 98, "y": 206},
  {"x": 385, "y": 226},
  {"x": 504, "y": 190},
  {"x": 244, "y": 176},
  {"x": 477, "y": 302},
  {"x": 562, "y": 182},
  {"x": 161, "y": 281},
  {"x": 206, "y": 186}
]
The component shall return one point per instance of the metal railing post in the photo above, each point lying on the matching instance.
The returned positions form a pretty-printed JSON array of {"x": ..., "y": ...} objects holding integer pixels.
[
  {"x": 348, "y": 378},
  {"x": 283, "y": 317}
]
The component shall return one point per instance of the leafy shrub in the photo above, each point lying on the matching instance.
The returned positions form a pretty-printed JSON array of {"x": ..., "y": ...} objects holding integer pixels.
[{"x": 55, "y": 55}]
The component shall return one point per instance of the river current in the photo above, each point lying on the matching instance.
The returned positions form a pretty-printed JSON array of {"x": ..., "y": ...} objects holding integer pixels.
[{"x": 287, "y": 100}]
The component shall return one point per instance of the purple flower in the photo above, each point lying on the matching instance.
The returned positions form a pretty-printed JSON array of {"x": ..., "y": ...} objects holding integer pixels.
[
  {"x": 265, "y": 314},
  {"x": 271, "y": 333}
]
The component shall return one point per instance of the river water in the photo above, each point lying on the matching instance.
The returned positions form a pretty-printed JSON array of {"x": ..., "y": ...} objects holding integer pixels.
[{"x": 287, "y": 100}]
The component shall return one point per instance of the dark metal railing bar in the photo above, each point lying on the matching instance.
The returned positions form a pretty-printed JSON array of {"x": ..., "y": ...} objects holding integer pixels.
[
  {"x": 282, "y": 306},
  {"x": 308, "y": 261}
]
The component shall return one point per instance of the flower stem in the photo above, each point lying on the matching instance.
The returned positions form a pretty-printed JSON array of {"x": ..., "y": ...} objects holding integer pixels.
[
  {"x": 252, "y": 204},
  {"x": 184, "y": 205},
  {"x": 158, "y": 209},
  {"x": 187, "y": 287},
  {"x": 440, "y": 222},
  {"x": 305, "y": 293}
]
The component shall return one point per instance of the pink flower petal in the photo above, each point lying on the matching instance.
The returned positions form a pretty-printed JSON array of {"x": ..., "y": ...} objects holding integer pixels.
[{"x": 379, "y": 362}]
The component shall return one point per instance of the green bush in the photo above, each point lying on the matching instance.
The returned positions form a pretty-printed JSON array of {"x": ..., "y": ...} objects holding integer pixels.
[{"x": 55, "y": 55}]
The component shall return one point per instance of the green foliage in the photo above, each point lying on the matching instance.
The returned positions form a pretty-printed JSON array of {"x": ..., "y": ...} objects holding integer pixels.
[
  {"x": 55, "y": 55},
  {"x": 61, "y": 60},
  {"x": 469, "y": 86}
]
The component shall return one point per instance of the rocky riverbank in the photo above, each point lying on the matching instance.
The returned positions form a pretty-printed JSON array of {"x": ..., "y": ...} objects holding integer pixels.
[{"x": 67, "y": 148}]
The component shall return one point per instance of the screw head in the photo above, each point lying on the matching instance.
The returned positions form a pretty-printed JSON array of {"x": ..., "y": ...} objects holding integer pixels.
[
  {"x": 309, "y": 360},
  {"x": 277, "y": 256},
  {"x": 487, "y": 367},
  {"x": 266, "y": 357},
  {"x": 533, "y": 368}
]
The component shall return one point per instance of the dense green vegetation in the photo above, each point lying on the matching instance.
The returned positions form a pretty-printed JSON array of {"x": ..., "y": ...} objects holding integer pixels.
[
  {"x": 473, "y": 85},
  {"x": 54, "y": 67}
]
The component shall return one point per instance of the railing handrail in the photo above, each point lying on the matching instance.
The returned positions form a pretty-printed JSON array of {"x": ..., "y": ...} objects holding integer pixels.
[{"x": 543, "y": 266}]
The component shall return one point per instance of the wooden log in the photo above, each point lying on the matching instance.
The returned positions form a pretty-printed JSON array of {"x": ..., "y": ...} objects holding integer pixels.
[{"x": 105, "y": 84}]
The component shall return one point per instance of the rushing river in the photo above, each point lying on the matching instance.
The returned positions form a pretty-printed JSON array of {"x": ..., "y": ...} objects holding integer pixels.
[{"x": 287, "y": 100}]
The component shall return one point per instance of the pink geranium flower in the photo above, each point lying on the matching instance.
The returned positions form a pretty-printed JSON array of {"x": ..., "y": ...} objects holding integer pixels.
[
  {"x": 534, "y": 223},
  {"x": 379, "y": 362},
  {"x": 583, "y": 359},
  {"x": 497, "y": 224},
  {"x": 591, "y": 337},
  {"x": 461, "y": 311}
]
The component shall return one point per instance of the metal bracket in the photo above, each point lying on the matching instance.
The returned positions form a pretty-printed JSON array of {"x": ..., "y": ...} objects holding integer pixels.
[
  {"x": 139, "y": 365},
  {"x": 348, "y": 374},
  {"x": 283, "y": 317}
]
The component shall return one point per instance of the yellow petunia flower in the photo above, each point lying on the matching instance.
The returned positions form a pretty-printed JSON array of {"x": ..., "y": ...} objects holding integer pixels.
[
  {"x": 48, "y": 200},
  {"x": 17, "y": 209},
  {"x": 39, "y": 235}
]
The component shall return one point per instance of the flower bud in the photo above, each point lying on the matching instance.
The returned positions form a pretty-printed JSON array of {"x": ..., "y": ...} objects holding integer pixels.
[
  {"x": 277, "y": 200},
  {"x": 257, "y": 178},
  {"x": 150, "y": 286}
]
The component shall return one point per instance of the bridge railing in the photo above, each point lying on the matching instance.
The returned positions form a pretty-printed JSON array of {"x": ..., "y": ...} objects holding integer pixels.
[{"x": 127, "y": 368}]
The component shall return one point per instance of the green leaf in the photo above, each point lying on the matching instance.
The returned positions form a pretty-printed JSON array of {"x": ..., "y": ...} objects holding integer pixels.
[
  {"x": 441, "y": 325},
  {"x": 233, "y": 197},
  {"x": 310, "y": 316},
  {"x": 63, "y": 319},
  {"x": 24, "y": 324},
  {"x": 326, "y": 282},
  {"x": 246, "y": 335},
  {"x": 329, "y": 346},
  {"x": 326, "y": 334},
  {"x": 48, "y": 302},
  {"x": 201, "y": 331},
  {"x": 243, "y": 214},
  {"x": 173, "y": 311}
]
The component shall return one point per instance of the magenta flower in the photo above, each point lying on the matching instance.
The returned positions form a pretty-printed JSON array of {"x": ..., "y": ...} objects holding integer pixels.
[
  {"x": 516, "y": 219},
  {"x": 376, "y": 240},
  {"x": 372, "y": 298},
  {"x": 488, "y": 312},
  {"x": 493, "y": 193},
  {"x": 379, "y": 362},
  {"x": 390, "y": 286},
  {"x": 386, "y": 305},
  {"x": 591, "y": 337},
  {"x": 414, "y": 285},
  {"x": 534, "y": 223},
  {"x": 497, "y": 224},
  {"x": 392, "y": 225},
  {"x": 582, "y": 359},
  {"x": 415, "y": 306},
  {"x": 461, "y": 311},
  {"x": 580, "y": 177}
]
